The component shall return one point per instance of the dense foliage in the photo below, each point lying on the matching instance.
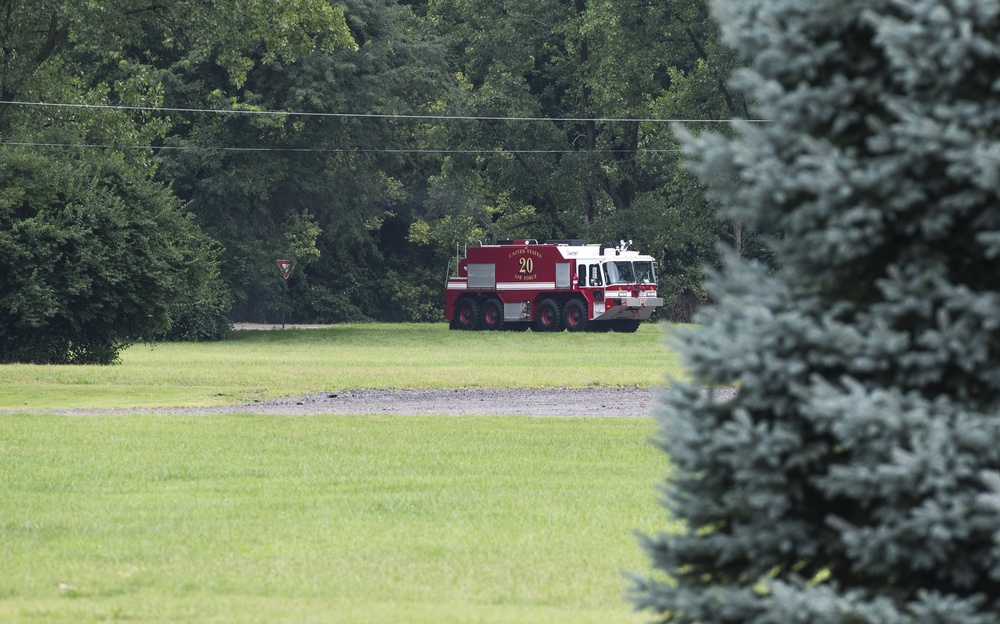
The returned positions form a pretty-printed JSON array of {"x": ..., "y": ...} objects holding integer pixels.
[
  {"x": 855, "y": 478},
  {"x": 361, "y": 139},
  {"x": 95, "y": 253},
  {"x": 313, "y": 187},
  {"x": 93, "y": 257}
]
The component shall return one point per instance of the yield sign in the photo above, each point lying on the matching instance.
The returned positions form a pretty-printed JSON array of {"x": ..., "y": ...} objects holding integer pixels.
[{"x": 286, "y": 267}]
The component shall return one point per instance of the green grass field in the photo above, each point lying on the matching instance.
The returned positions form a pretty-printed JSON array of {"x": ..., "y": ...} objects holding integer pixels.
[
  {"x": 263, "y": 364},
  {"x": 256, "y": 518}
]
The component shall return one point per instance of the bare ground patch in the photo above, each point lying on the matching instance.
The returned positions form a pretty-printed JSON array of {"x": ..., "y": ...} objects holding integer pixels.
[{"x": 597, "y": 402}]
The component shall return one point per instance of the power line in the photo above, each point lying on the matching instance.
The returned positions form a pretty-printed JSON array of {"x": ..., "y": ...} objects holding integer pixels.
[
  {"x": 334, "y": 150},
  {"x": 373, "y": 115}
]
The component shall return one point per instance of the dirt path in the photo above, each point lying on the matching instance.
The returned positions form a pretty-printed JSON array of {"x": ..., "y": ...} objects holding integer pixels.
[
  {"x": 542, "y": 402},
  {"x": 606, "y": 402},
  {"x": 621, "y": 402}
]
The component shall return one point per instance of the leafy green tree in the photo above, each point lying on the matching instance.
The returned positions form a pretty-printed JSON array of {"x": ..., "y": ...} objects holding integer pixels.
[
  {"x": 94, "y": 57},
  {"x": 855, "y": 476},
  {"x": 93, "y": 257},
  {"x": 33, "y": 33},
  {"x": 316, "y": 188}
]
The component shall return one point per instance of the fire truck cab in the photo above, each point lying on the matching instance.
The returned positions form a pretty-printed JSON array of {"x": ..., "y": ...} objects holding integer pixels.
[{"x": 550, "y": 286}]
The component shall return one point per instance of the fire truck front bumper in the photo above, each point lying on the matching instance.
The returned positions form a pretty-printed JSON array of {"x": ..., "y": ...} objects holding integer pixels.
[
  {"x": 642, "y": 302},
  {"x": 638, "y": 308}
]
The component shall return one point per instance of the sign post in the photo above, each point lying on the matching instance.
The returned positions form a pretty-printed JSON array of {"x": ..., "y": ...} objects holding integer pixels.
[{"x": 285, "y": 266}]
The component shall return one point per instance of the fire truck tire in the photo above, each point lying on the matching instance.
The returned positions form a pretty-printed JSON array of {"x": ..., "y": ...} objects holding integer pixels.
[
  {"x": 492, "y": 314},
  {"x": 467, "y": 314},
  {"x": 548, "y": 317},
  {"x": 575, "y": 315},
  {"x": 625, "y": 327}
]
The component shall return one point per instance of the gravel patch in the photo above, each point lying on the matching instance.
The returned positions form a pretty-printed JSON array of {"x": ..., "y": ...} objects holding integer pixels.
[
  {"x": 541, "y": 402},
  {"x": 271, "y": 326},
  {"x": 620, "y": 402}
]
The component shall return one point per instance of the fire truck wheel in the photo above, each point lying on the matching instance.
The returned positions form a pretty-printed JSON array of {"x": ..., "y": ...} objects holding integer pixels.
[
  {"x": 467, "y": 314},
  {"x": 575, "y": 315},
  {"x": 626, "y": 327},
  {"x": 548, "y": 317},
  {"x": 493, "y": 314}
]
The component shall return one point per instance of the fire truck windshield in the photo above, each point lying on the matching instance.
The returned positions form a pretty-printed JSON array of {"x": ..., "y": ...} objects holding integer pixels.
[
  {"x": 619, "y": 272},
  {"x": 625, "y": 272},
  {"x": 644, "y": 272}
]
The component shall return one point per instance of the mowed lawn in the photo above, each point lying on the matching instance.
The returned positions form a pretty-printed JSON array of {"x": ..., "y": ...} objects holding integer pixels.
[
  {"x": 264, "y": 364},
  {"x": 257, "y": 518}
]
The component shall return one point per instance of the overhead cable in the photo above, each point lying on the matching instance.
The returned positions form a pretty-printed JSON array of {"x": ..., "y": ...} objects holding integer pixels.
[
  {"x": 372, "y": 115},
  {"x": 336, "y": 150}
]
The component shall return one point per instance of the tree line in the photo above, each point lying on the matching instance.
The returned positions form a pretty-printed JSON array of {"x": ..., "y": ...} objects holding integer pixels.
[{"x": 158, "y": 158}]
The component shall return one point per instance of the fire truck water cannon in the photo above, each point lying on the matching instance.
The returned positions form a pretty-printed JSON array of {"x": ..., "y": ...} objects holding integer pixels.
[{"x": 550, "y": 286}]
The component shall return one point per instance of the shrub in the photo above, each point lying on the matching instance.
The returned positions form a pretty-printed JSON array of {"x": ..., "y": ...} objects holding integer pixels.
[{"x": 93, "y": 257}]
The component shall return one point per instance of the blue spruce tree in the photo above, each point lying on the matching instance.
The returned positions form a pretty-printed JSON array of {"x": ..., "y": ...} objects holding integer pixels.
[{"x": 855, "y": 476}]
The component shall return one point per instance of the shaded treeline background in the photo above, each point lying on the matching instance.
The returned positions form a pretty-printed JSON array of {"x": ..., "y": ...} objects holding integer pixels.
[{"x": 411, "y": 125}]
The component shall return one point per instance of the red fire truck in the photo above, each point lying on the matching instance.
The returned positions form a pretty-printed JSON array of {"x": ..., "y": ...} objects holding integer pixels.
[{"x": 550, "y": 286}]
